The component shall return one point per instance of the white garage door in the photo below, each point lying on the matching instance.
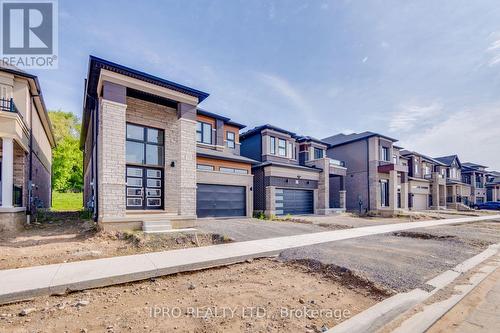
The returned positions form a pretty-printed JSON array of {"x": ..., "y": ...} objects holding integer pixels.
[{"x": 419, "y": 202}]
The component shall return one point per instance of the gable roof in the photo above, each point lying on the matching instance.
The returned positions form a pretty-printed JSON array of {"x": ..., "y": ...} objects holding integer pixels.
[
  {"x": 341, "y": 139},
  {"x": 312, "y": 139},
  {"x": 448, "y": 160},
  {"x": 474, "y": 165},
  {"x": 258, "y": 129},
  {"x": 425, "y": 157}
]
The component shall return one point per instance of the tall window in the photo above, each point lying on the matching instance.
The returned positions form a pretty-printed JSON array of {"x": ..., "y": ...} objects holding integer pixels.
[
  {"x": 230, "y": 140},
  {"x": 281, "y": 147},
  {"x": 272, "y": 145},
  {"x": 384, "y": 152},
  {"x": 318, "y": 153},
  {"x": 204, "y": 132},
  {"x": 415, "y": 168},
  {"x": 144, "y": 145},
  {"x": 384, "y": 193}
]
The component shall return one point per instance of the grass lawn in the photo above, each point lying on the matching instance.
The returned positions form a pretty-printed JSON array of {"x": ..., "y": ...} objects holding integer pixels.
[{"x": 67, "y": 201}]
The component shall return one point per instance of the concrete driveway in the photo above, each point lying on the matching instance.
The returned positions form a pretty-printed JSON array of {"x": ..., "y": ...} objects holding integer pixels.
[{"x": 252, "y": 229}]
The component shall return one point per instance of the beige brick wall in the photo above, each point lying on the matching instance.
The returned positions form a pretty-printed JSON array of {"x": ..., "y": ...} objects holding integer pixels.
[{"x": 111, "y": 160}]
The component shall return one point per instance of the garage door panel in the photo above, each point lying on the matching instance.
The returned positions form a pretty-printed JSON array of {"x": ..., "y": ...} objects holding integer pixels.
[
  {"x": 220, "y": 200},
  {"x": 420, "y": 201},
  {"x": 294, "y": 202}
]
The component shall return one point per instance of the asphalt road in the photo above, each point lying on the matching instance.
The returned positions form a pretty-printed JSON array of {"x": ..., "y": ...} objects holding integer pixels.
[{"x": 396, "y": 263}]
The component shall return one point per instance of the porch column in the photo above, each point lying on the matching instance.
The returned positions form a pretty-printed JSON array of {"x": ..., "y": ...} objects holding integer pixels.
[
  {"x": 186, "y": 159},
  {"x": 393, "y": 189},
  {"x": 342, "y": 193},
  {"x": 495, "y": 194},
  {"x": 404, "y": 191},
  {"x": 7, "y": 171}
]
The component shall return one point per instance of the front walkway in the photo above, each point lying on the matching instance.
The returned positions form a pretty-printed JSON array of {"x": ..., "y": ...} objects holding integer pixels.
[{"x": 24, "y": 283}]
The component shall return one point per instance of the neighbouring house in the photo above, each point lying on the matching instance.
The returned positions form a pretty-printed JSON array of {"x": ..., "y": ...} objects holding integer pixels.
[
  {"x": 493, "y": 186},
  {"x": 152, "y": 158},
  {"x": 458, "y": 192},
  {"x": 25, "y": 149},
  {"x": 294, "y": 174},
  {"x": 475, "y": 175},
  {"x": 426, "y": 181},
  {"x": 377, "y": 175}
]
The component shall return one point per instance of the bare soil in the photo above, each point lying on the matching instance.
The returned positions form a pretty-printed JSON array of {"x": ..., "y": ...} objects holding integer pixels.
[
  {"x": 67, "y": 238},
  {"x": 258, "y": 296}
]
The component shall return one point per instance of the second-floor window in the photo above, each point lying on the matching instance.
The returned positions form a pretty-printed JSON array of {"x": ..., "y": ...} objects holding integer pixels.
[
  {"x": 427, "y": 170},
  {"x": 272, "y": 145},
  {"x": 281, "y": 147},
  {"x": 384, "y": 152},
  {"x": 203, "y": 132},
  {"x": 230, "y": 140},
  {"x": 415, "y": 168},
  {"x": 318, "y": 153},
  {"x": 144, "y": 145}
]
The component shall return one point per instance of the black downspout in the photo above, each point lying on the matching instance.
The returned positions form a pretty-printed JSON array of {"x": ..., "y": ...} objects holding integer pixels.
[
  {"x": 96, "y": 182},
  {"x": 30, "y": 176},
  {"x": 368, "y": 171}
]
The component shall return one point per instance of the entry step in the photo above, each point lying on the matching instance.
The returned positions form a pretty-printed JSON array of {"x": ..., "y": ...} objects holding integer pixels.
[{"x": 156, "y": 226}]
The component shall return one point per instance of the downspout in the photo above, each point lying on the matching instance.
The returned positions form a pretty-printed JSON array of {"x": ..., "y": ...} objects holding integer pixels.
[
  {"x": 96, "y": 178},
  {"x": 368, "y": 171},
  {"x": 30, "y": 170}
]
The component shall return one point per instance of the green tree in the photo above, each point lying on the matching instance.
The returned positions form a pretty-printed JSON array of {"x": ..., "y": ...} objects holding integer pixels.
[{"x": 67, "y": 158}]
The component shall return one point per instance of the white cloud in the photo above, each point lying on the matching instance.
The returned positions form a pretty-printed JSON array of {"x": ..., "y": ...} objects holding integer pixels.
[
  {"x": 286, "y": 90},
  {"x": 493, "y": 51},
  {"x": 365, "y": 59},
  {"x": 472, "y": 134},
  {"x": 410, "y": 116}
]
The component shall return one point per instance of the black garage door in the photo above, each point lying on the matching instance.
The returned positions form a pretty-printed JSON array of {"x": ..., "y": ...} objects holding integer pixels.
[
  {"x": 294, "y": 202},
  {"x": 220, "y": 200}
]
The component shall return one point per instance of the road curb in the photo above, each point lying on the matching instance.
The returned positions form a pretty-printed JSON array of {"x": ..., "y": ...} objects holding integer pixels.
[{"x": 381, "y": 314}]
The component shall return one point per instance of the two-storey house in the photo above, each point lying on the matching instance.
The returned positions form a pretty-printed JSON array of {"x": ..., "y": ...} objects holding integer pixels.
[
  {"x": 426, "y": 183},
  {"x": 458, "y": 192},
  {"x": 475, "y": 175},
  {"x": 493, "y": 186},
  {"x": 377, "y": 176},
  {"x": 26, "y": 143},
  {"x": 152, "y": 158},
  {"x": 293, "y": 174}
]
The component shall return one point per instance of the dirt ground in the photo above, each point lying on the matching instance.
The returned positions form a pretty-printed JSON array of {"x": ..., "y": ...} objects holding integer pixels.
[
  {"x": 68, "y": 238},
  {"x": 257, "y": 296},
  {"x": 477, "y": 312}
]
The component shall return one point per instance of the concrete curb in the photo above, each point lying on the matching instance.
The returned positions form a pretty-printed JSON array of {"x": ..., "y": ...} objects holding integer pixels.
[
  {"x": 25, "y": 283},
  {"x": 381, "y": 314}
]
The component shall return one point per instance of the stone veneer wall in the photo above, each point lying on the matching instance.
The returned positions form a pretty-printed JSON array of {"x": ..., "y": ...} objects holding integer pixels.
[{"x": 111, "y": 160}]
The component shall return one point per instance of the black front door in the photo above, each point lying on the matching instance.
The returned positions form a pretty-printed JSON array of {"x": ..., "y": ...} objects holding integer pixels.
[{"x": 144, "y": 188}]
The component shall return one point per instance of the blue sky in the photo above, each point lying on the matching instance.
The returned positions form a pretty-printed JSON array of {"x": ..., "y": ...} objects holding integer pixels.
[{"x": 425, "y": 72}]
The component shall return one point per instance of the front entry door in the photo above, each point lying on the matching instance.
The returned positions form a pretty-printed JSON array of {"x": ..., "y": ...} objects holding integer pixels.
[{"x": 144, "y": 188}]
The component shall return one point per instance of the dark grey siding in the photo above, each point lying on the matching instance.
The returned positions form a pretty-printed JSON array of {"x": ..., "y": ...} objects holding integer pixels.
[
  {"x": 259, "y": 190},
  {"x": 355, "y": 155},
  {"x": 251, "y": 147}
]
